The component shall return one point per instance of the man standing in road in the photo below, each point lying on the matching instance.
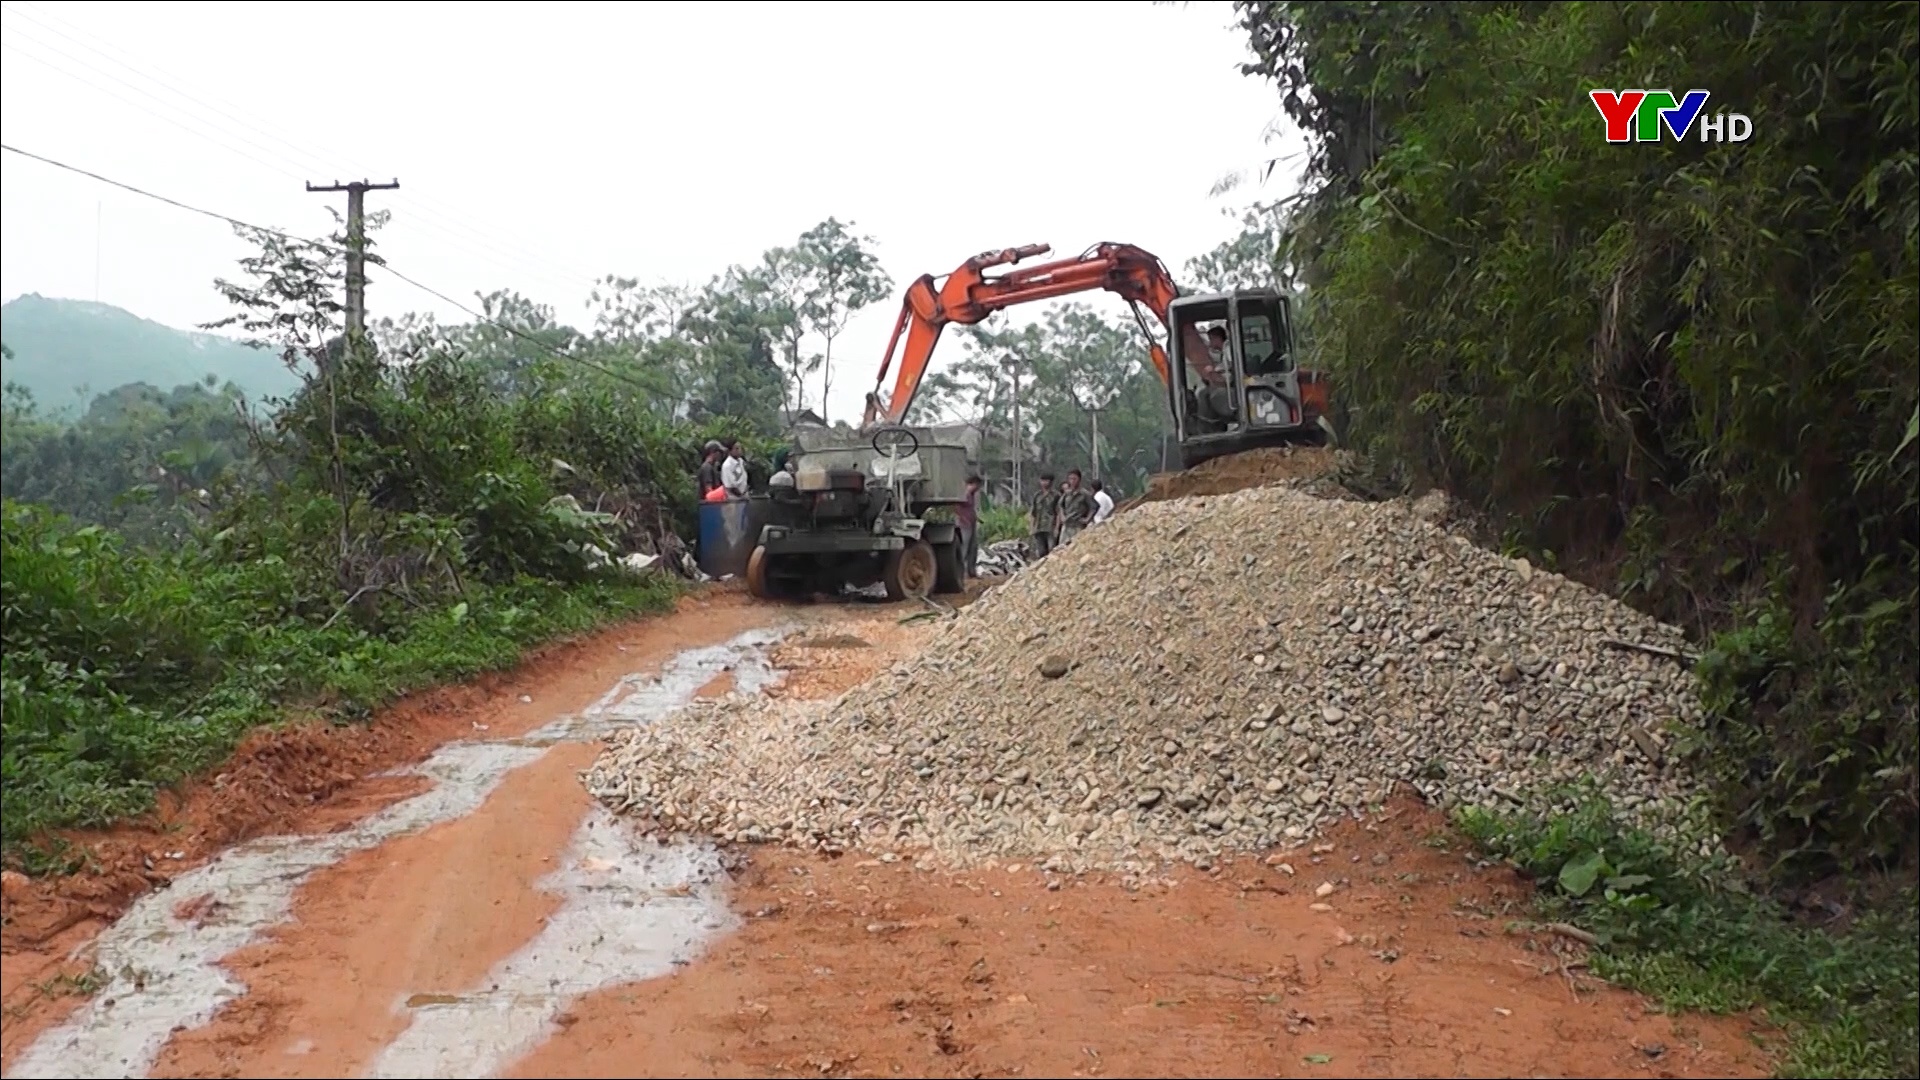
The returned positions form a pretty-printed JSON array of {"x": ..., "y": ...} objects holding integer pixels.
[
  {"x": 710, "y": 466},
  {"x": 733, "y": 474},
  {"x": 966, "y": 517},
  {"x": 1076, "y": 508},
  {"x": 1044, "y": 516},
  {"x": 1102, "y": 502}
]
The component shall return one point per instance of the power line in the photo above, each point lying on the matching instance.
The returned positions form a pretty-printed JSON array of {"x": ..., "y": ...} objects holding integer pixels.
[
  {"x": 507, "y": 328},
  {"x": 486, "y": 245},
  {"x": 143, "y": 193},
  {"x": 116, "y": 95},
  {"x": 216, "y": 137}
]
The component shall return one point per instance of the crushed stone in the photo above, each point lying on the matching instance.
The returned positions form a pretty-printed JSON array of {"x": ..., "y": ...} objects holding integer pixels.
[{"x": 1196, "y": 677}]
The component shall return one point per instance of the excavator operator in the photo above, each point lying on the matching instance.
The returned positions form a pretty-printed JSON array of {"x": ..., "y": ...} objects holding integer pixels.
[{"x": 1205, "y": 379}]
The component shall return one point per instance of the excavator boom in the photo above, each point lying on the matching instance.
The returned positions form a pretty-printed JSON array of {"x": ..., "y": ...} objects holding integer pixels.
[{"x": 968, "y": 296}]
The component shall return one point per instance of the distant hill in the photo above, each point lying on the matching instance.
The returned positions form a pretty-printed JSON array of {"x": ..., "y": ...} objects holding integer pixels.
[{"x": 60, "y": 346}]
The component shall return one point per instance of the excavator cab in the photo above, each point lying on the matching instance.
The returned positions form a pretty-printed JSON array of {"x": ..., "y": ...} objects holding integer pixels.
[{"x": 1245, "y": 392}]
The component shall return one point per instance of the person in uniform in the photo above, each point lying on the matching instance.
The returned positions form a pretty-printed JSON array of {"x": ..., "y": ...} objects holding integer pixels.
[
  {"x": 1044, "y": 516},
  {"x": 1076, "y": 508},
  {"x": 967, "y": 517}
]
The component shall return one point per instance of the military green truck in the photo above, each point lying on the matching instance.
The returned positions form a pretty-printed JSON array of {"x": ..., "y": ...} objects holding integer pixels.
[{"x": 856, "y": 509}]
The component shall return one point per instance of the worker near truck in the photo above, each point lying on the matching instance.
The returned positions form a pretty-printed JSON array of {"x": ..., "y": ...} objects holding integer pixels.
[
  {"x": 966, "y": 517},
  {"x": 733, "y": 472},
  {"x": 1043, "y": 517},
  {"x": 1076, "y": 508},
  {"x": 710, "y": 466}
]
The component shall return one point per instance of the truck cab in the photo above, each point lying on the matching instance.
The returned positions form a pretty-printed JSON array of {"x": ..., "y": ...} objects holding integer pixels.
[{"x": 1233, "y": 381}]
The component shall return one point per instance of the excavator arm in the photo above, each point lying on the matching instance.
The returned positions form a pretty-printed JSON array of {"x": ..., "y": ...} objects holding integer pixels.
[{"x": 968, "y": 296}]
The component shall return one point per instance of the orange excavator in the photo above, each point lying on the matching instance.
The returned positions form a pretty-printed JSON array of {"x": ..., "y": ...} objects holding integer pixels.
[{"x": 1228, "y": 362}]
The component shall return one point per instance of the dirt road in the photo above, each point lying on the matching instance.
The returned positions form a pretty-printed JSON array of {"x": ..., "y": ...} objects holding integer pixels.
[{"x": 438, "y": 896}]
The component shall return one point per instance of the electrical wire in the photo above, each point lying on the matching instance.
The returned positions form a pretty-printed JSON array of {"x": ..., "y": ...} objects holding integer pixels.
[
  {"x": 176, "y": 88},
  {"x": 506, "y": 328},
  {"x": 491, "y": 250},
  {"x": 190, "y": 208}
]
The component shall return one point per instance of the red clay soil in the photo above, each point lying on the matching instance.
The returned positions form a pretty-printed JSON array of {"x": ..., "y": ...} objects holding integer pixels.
[
  {"x": 429, "y": 912},
  {"x": 834, "y": 658},
  {"x": 426, "y": 913},
  {"x": 308, "y": 777},
  {"x": 1407, "y": 968},
  {"x": 432, "y": 912},
  {"x": 1237, "y": 472}
]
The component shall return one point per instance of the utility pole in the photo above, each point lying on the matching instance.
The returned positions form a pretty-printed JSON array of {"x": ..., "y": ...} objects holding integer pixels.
[
  {"x": 1019, "y": 444},
  {"x": 356, "y": 248},
  {"x": 1093, "y": 444}
]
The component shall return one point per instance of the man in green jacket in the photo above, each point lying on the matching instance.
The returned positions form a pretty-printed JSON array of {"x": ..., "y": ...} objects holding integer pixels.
[
  {"x": 1076, "y": 508},
  {"x": 1043, "y": 521}
]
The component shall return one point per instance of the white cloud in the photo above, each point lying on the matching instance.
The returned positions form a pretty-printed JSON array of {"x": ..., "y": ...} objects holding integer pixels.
[{"x": 539, "y": 147}]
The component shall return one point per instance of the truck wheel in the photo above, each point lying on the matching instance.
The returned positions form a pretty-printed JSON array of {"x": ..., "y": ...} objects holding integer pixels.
[
  {"x": 757, "y": 582},
  {"x": 949, "y": 575},
  {"x": 910, "y": 571}
]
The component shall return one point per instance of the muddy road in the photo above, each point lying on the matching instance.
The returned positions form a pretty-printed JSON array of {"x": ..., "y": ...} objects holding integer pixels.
[{"x": 437, "y": 896}]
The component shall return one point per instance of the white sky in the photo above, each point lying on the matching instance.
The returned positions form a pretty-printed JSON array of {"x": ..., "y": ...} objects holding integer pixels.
[{"x": 540, "y": 146}]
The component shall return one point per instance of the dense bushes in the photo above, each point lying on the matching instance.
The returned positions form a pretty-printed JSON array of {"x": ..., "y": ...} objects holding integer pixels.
[
  {"x": 125, "y": 670},
  {"x": 425, "y": 537},
  {"x": 400, "y": 522},
  {"x": 1682, "y": 369}
]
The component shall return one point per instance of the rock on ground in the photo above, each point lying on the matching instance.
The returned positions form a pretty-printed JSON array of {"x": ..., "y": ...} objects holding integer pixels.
[{"x": 1192, "y": 678}]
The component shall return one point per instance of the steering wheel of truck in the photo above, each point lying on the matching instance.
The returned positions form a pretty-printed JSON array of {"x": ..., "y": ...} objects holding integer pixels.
[{"x": 895, "y": 438}]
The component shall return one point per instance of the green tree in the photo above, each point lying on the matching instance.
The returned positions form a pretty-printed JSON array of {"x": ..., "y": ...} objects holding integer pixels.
[
  {"x": 842, "y": 277},
  {"x": 639, "y": 328},
  {"x": 815, "y": 286},
  {"x": 735, "y": 328},
  {"x": 1252, "y": 258}
]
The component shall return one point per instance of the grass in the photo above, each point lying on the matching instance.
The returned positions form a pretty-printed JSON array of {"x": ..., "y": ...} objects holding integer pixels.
[
  {"x": 125, "y": 673},
  {"x": 1686, "y": 933},
  {"x": 999, "y": 523}
]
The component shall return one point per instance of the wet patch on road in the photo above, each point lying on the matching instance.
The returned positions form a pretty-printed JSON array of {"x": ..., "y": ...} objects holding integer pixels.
[{"x": 161, "y": 961}]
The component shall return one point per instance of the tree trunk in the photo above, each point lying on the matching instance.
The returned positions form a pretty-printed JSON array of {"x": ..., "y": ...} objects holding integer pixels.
[{"x": 826, "y": 378}]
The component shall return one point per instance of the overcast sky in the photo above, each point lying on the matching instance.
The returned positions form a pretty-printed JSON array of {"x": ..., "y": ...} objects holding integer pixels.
[{"x": 541, "y": 146}]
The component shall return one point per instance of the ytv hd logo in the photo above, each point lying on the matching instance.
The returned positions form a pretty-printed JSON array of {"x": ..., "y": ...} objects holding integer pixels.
[{"x": 1638, "y": 116}]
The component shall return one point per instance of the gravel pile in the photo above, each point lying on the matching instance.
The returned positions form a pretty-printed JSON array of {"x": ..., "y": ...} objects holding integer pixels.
[{"x": 1194, "y": 677}]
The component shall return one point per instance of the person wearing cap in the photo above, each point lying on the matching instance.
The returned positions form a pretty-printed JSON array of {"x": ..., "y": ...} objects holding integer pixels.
[{"x": 710, "y": 466}]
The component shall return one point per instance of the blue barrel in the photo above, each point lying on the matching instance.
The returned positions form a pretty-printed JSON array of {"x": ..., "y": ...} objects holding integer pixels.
[{"x": 729, "y": 531}]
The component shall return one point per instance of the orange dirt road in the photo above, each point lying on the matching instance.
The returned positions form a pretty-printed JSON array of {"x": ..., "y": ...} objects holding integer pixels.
[
  {"x": 1410, "y": 966},
  {"x": 853, "y": 967}
]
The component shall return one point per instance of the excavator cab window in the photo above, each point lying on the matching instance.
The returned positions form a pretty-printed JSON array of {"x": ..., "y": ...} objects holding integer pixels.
[{"x": 1263, "y": 340}]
